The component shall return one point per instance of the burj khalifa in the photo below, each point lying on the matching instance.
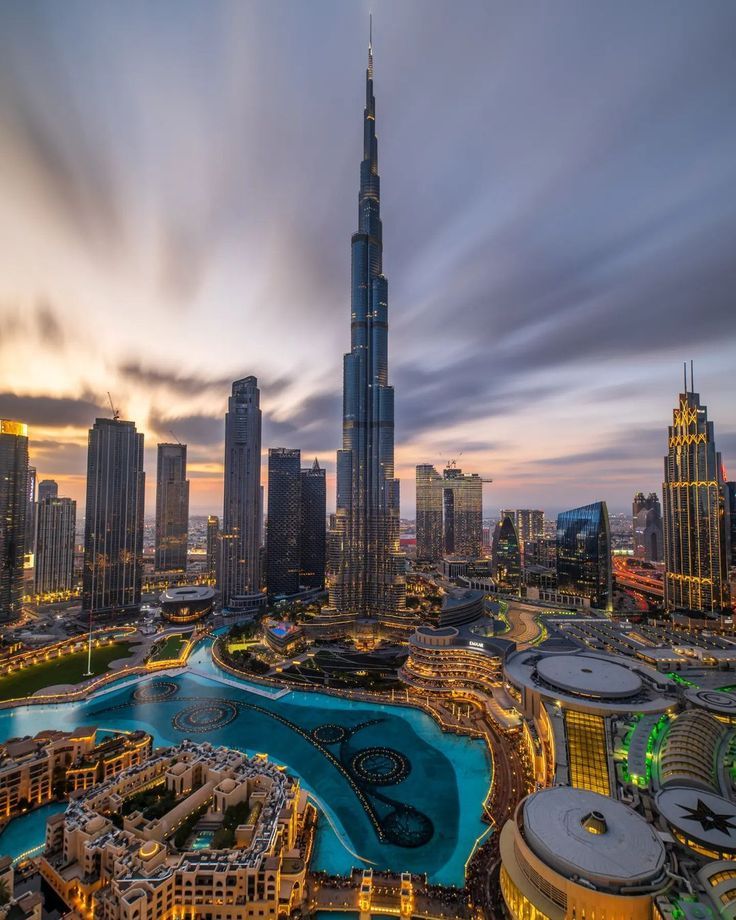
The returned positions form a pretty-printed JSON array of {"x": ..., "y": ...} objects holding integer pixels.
[{"x": 366, "y": 578}]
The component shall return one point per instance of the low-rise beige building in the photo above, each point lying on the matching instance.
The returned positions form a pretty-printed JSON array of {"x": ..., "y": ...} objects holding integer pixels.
[{"x": 110, "y": 864}]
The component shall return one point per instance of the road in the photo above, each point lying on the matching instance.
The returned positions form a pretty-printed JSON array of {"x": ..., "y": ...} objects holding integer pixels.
[{"x": 525, "y": 630}]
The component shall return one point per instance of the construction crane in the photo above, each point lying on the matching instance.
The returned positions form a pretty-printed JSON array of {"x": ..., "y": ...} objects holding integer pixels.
[
  {"x": 115, "y": 412},
  {"x": 174, "y": 437}
]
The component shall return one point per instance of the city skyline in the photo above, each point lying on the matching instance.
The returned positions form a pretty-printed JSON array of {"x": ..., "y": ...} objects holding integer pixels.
[{"x": 490, "y": 275}]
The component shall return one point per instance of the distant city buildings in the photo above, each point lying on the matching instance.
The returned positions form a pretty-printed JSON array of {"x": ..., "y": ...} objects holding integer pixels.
[
  {"x": 240, "y": 563},
  {"x": 449, "y": 513},
  {"x": 283, "y": 529},
  {"x": 48, "y": 488},
  {"x": 54, "y": 569},
  {"x": 696, "y": 538},
  {"x": 13, "y": 510},
  {"x": 529, "y": 525},
  {"x": 313, "y": 526},
  {"x": 113, "y": 532},
  {"x": 647, "y": 527},
  {"x": 584, "y": 554},
  {"x": 172, "y": 508}
]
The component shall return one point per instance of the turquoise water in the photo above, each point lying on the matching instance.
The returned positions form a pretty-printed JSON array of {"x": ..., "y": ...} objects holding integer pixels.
[
  {"x": 446, "y": 781},
  {"x": 26, "y": 834},
  {"x": 203, "y": 840}
]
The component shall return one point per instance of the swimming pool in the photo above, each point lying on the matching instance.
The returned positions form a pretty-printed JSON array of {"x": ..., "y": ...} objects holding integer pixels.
[
  {"x": 202, "y": 841},
  {"x": 424, "y": 788}
]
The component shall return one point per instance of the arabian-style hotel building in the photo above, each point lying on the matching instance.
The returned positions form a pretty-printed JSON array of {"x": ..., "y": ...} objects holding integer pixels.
[
  {"x": 105, "y": 871},
  {"x": 32, "y": 769}
]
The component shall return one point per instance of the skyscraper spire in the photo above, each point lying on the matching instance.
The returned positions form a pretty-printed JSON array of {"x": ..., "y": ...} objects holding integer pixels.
[
  {"x": 366, "y": 571},
  {"x": 370, "y": 46}
]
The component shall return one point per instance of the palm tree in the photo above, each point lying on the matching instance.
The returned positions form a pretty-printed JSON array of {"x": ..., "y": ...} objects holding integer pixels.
[{"x": 4, "y": 892}]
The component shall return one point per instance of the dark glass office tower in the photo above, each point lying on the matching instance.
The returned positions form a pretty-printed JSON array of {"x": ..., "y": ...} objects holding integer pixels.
[
  {"x": 283, "y": 526},
  {"x": 54, "y": 570},
  {"x": 314, "y": 531},
  {"x": 367, "y": 570},
  {"x": 240, "y": 573},
  {"x": 13, "y": 509},
  {"x": 696, "y": 539},
  {"x": 507, "y": 556},
  {"x": 172, "y": 508},
  {"x": 584, "y": 554},
  {"x": 113, "y": 526}
]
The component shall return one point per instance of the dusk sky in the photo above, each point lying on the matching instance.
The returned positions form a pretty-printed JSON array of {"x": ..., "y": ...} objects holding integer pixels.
[{"x": 179, "y": 185}]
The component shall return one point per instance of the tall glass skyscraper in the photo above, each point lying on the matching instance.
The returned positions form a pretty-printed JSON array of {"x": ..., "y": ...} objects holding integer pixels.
[
  {"x": 13, "y": 509},
  {"x": 695, "y": 533},
  {"x": 584, "y": 554},
  {"x": 240, "y": 541},
  {"x": 283, "y": 526},
  {"x": 366, "y": 567},
  {"x": 172, "y": 508},
  {"x": 213, "y": 532},
  {"x": 449, "y": 513},
  {"x": 54, "y": 570},
  {"x": 314, "y": 526},
  {"x": 113, "y": 520},
  {"x": 507, "y": 556}
]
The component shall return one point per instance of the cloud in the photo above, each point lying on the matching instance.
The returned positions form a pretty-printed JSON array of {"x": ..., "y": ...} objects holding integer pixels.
[
  {"x": 58, "y": 458},
  {"x": 189, "y": 429},
  {"x": 50, "y": 411}
]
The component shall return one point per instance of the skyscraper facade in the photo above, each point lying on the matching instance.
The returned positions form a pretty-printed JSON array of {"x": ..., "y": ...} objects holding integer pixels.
[
  {"x": 647, "y": 527},
  {"x": 213, "y": 532},
  {"x": 48, "y": 488},
  {"x": 13, "y": 509},
  {"x": 241, "y": 519},
  {"x": 54, "y": 571},
  {"x": 449, "y": 513},
  {"x": 313, "y": 532},
  {"x": 584, "y": 554},
  {"x": 172, "y": 508},
  {"x": 367, "y": 569},
  {"x": 506, "y": 556},
  {"x": 731, "y": 507},
  {"x": 30, "y": 540},
  {"x": 695, "y": 533},
  {"x": 430, "y": 535},
  {"x": 283, "y": 525},
  {"x": 113, "y": 523},
  {"x": 529, "y": 525}
]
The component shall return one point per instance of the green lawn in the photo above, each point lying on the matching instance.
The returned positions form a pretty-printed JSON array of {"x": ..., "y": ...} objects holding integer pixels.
[
  {"x": 69, "y": 669},
  {"x": 169, "y": 649}
]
